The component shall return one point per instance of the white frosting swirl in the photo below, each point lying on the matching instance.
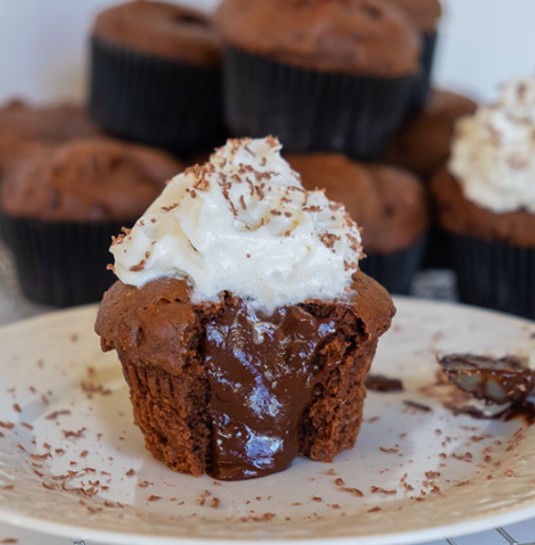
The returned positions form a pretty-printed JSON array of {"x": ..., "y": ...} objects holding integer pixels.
[
  {"x": 493, "y": 154},
  {"x": 243, "y": 223}
]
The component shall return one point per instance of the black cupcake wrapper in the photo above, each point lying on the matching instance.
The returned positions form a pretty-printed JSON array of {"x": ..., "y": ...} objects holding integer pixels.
[
  {"x": 437, "y": 253},
  {"x": 61, "y": 263},
  {"x": 495, "y": 275},
  {"x": 160, "y": 102},
  {"x": 310, "y": 110},
  {"x": 423, "y": 84},
  {"x": 395, "y": 270}
]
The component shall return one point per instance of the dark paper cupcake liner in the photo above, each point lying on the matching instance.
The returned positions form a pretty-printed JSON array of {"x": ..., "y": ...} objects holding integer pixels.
[
  {"x": 495, "y": 275},
  {"x": 437, "y": 254},
  {"x": 310, "y": 110},
  {"x": 396, "y": 270},
  {"x": 155, "y": 101},
  {"x": 59, "y": 263},
  {"x": 423, "y": 83}
]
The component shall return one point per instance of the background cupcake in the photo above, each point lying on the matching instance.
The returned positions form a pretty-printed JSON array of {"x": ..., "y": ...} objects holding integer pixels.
[
  {"x": 333, "y": 76},
  {"x": 60, "y": 209},
  {"x": 24, "y": 127},
  {"x": 155, "y": 76},
  {"x": 423, "y": 146},
  {"x": 388, "y": 203},
  {"x": 486, "y": 202},
  {"x": 423, "y": 143}
]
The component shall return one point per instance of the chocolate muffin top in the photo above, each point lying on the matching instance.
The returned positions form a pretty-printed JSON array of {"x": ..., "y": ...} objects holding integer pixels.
[
  {"x": 388, "y": 203},
  {"x": 423, "y": 144},
  {"x": 367, "y": 37},
  {"x": 156, "y": 322},
  {"x": 459, "y": 215},
  {"x": 24, "y": 127},
  {"x": 87, "y": 180},
  {"x": 55, "y": 123},
  {"x": 425, "y": 14},
  {"x": 158, "y": 28}
]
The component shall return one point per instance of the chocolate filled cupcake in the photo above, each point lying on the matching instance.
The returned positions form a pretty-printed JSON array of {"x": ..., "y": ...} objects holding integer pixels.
[
  {"x": 331, "y": 76},
  {"x": 486, "y": 202},
  {"x": 389, "y": 204},
  {"x": 61, "y": 207},
  {"x": 425, "y": 14},
  {"x": 241, "y": 319},
  {"x": 156, "y": 76}
]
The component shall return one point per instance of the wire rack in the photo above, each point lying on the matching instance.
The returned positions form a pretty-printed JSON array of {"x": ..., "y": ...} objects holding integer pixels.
[
  {"x": 434, "y": 284},
  {"x": 504, "y": 535}
]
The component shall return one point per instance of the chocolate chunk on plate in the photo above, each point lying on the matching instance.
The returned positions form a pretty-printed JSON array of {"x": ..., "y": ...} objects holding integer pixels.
[{"x": 495, "y": 380}]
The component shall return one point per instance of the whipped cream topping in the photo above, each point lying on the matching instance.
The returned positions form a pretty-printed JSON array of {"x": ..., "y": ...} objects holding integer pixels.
[
  {"x": 243, "y": 223},
  {"x": 493, "y": 154}
]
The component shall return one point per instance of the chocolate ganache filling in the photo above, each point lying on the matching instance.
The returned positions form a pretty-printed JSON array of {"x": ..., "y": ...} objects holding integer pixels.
[{"x": 262, "y": 371}]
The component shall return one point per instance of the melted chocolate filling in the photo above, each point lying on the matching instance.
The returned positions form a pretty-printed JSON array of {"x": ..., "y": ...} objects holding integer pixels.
[{"x": 262, "y": 371}]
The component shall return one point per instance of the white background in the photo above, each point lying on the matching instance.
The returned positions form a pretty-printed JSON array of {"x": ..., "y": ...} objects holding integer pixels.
[{"x": 43, "y": 45}]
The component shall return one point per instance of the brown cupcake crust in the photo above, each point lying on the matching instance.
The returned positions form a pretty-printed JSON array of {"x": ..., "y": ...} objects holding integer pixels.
[
  {"x": 23, "y": 128},
  {"x": 55, "y": 123},
  {"x": 162, "y": 29},
  {"x": 388, "y": 203},
  {"x": 425, "y": 14},
  {"x": 463, "y": 217},
  {"x": 93, "y": 179},
  {"x": 154, "y": 323},
  {"x": 364, "y": 37},
  {"x": 423, "y": 143}
]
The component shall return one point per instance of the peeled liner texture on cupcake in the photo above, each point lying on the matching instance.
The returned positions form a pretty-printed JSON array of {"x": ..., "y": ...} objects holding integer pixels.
[
  {"x": 243, "y": 223},
  {"x": 493, "y": 154}
]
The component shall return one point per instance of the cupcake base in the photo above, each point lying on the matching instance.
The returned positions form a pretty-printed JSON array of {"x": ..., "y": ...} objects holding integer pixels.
[
  {"x": 60, "y": 264},
  {"x": 437, "y": 254},
  {"x": 495, "y": 275},
  {"x": 215, "y": 393},
  {"x": 172, "y": 414},
  {"x": 156, "y": 101},
  {"x": 309, "y": 110},
  {"x": 396, "y": 270}
]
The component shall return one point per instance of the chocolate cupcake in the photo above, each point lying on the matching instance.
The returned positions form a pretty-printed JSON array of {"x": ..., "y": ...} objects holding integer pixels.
[
  {"x": 389, "y": 204},
  {"x": 155, "y": 76},
  {"x": 241, "y": 319},
  {"x": 486, "y": 202},
  {"x": 61, "y": 207},
  {"x": 24, "y": 128},
  {"x": 425, "y": 14},
  {"x": 332, "y": 76}
]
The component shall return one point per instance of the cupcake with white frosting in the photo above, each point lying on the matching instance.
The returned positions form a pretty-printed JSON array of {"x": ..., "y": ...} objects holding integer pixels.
[
  {"x": 486, "y": 201},
  {"x": 242, "y": 321}
]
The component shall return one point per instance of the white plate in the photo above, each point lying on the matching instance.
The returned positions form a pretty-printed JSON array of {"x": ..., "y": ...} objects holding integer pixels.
[{"x": 423, "y": 475}]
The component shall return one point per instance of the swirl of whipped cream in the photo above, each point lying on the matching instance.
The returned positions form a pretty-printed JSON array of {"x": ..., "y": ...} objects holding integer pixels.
[
  {"x": 493, "y": 154},
  {"x": 243, "y": 223}
]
